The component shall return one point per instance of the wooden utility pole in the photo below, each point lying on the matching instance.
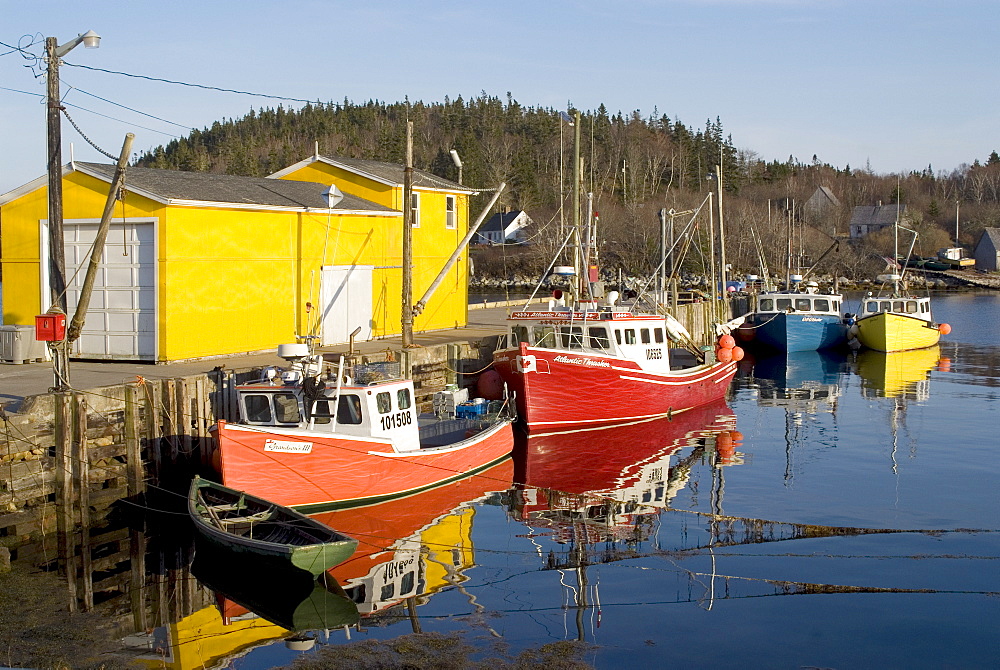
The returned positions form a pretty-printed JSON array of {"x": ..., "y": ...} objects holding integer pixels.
[
  {"x": 407, "y": 310},
  {"x": 57, "y": 254}
]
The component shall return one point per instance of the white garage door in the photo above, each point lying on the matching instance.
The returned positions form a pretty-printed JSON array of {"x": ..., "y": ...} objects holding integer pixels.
[
  {"x": 346, "y": 295},
  {"x": 120, "y": 321}
]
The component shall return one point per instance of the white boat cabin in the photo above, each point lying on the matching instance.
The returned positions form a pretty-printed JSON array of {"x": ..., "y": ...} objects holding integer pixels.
[
  {"x": 644, "y": 339},
  {"x": 380, "y": 410},
  {"x": 805, "y": 303},
  {"x": 919, "y": 308}
]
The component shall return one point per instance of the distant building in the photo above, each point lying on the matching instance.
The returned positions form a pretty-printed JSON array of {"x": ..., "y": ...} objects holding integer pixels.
[
  {"x": 821, "y": 204},
  {"x": 869, "y": 219},
  {"x": 504, "y": 227},
  {"x": 987, "y": 251}
]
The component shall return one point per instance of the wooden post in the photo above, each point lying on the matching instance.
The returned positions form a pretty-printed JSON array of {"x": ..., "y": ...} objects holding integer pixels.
[
  {"x": 182, "y": 419},
  {"x": 407, "y": 303},
  {"x": 137, "y": 579},
  {"x": 168, "y": 420},
  {"x": 82, "y": 485},
  {"x": 65, "y": 520},
  {"x": 154, "y": 446},
  {"x": 133, "y": 450},
  {"x": 452, "y": 374},
  {"x": 201, "y": 422}
]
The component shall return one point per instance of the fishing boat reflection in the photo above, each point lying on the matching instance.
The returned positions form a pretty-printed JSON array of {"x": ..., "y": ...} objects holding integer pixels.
[
  {"x": 244, "y": 603},
  {"x": 297, "y": 602},
  {"x": 803, "y": 381},
  {"x": 615, "y": 478},
  {"x": 899, "y": 374},
  {"x": 412, "y": 547}
]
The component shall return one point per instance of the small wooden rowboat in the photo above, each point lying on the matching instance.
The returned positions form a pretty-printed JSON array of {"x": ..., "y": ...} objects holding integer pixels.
[{"x": 244, "y": 523}]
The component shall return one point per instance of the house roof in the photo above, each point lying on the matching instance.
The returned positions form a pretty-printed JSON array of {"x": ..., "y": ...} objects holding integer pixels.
[
  {"x": 499, "y": 221},
  {"x": 823, "y": 193},
  {"x": 994, "y": 236},
  {"x": 387, "y": 173},
  {"x": 878, "y": 215},
  {"x": 177, "y": 187}
]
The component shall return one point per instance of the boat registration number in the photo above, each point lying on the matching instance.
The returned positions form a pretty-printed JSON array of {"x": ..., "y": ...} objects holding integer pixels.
[
  {"x": 397, "y": 420},
  {"x": 288, "y": 447}
]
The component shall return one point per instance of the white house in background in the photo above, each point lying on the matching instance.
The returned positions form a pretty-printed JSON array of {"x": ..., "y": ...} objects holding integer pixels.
[{"x": 504, "y": 227}]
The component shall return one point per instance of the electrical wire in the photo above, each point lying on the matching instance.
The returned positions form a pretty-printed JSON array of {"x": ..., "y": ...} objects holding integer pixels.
[{"x": 191, "y": 85}]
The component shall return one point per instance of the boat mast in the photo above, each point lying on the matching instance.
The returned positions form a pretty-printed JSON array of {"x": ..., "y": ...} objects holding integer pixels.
[{"x": 577, "y": 260}]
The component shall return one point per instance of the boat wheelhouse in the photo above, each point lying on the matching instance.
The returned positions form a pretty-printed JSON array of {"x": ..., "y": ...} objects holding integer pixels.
[
  {"x": 799, "y": 321},
  {"x": 303, "y": 443},
  {"x": 897, "y": 323},
  {"x": 604, "y": 364}
]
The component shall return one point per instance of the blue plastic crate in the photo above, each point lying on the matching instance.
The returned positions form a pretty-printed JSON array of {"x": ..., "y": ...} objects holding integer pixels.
[{"x": 470, "y": 410}]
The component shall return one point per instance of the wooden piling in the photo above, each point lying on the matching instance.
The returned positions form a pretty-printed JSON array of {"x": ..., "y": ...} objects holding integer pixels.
[{"x": 81, "y": 483}]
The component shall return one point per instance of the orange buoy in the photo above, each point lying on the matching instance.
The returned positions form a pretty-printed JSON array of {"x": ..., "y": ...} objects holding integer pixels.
[
  {"x": 944, "y": 328},
  {"x": 727, "y": 342},
  {"x": 736, "y": 435},
  {"x": 738, "y": 353},
  {"x": 724, "y": 355},
  {"x": 490, "y": 385},
  {"x": 724, "y": 446}
]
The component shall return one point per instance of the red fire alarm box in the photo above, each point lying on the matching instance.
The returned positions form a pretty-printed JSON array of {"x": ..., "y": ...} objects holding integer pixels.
[{"x": 50, "y": 327}]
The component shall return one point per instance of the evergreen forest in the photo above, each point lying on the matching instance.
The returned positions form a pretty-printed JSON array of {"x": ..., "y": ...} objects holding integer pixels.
[{"x": 634, "y": 166}]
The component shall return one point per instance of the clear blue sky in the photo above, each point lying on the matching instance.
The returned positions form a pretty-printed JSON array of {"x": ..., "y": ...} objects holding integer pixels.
[{"x": 894, "y": 84}]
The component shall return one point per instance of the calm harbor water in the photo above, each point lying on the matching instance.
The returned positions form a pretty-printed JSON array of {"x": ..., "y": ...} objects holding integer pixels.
[{"x": 837, "y": 511}]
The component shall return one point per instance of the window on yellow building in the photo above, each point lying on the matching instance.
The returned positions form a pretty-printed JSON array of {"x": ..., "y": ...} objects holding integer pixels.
[
  {"x": 415, "y": 210},
  {"x": 451, "y": 217}
]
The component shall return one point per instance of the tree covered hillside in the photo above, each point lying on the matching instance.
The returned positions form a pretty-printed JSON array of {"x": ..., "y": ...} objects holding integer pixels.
[{"x": 634, "y": 165}]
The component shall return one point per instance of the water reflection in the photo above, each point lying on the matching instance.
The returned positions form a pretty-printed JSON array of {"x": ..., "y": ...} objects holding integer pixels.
[
  {"x": 246, "y": 587},
  {"x": 411, "y": 548},
  {"x": 804, "y": 384},
  {"x": 899, "y": 374},
  {"x": 800, "y": 381}
]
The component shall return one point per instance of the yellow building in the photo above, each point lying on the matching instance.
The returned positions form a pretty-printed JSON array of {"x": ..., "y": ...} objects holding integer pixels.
[
  {"x": 199, "y": 265},
  {"x": 440, "y": 219}
]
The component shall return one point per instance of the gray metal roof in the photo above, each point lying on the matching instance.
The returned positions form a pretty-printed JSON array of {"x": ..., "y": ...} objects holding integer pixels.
[
  {"x": 994, "y": 236},
  {"x": 393, "y": 173},
  {"x": 222, "y": 188},
  {"x": 877, "y": 215}
]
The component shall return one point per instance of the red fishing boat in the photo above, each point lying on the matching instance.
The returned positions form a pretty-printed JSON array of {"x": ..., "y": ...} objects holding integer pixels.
[
  {"x": 315, "y": 444},
  {"x": 593, "y": 365}
]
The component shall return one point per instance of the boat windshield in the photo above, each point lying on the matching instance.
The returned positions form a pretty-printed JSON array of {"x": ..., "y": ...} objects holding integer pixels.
[{"x": 270, "y": 408}]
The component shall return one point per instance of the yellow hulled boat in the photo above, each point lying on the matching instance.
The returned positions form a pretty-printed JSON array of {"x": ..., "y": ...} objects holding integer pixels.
[{"x": 896, "y": 324}]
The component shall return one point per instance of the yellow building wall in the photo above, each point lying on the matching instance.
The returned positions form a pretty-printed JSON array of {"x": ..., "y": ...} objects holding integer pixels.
[
  {"x": 433, "y": 244},
  {"x": 238, "y": 280}
]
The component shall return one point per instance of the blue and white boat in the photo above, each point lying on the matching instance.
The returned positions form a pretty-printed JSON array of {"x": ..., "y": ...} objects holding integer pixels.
[{"x": 799, "y": 320}]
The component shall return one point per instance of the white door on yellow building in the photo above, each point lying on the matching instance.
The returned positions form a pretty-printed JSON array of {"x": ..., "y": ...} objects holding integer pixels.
[
  {"x": 346, "y": 303},
  {"x": 120, "y": 321}
]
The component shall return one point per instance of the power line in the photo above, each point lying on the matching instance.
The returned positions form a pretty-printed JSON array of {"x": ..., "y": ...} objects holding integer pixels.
[
  {"x": 118, "y": 104},
  {"x": 184, "y": 83},
  {"x": 113, "y": 118}
]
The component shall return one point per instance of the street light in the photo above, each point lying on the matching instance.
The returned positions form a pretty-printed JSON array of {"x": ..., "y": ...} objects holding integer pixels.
[
  {"x": 458, "y": 163},
  {"x": 57, "y": 255}
]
